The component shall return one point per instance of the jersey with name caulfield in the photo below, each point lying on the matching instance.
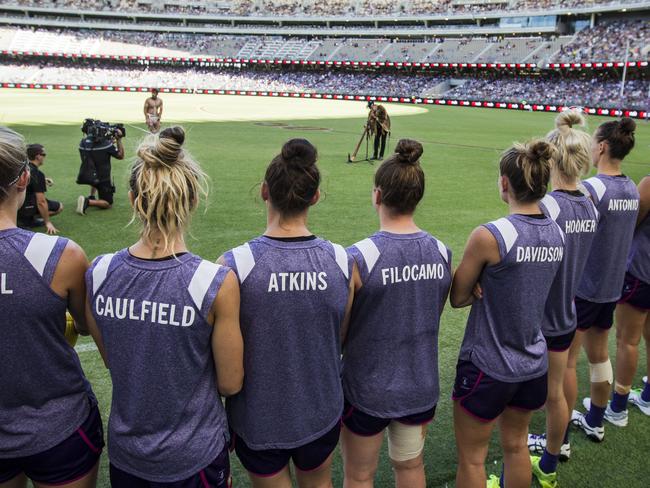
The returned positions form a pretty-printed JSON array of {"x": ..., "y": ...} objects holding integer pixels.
[
  {"x": 390, "y": 362},
  {"x": 578, "y": 218},
  {"x": 503, "y": 337},
  {"x": 639, "y": 260},
  {"x": 44, "y": 395},
  {"x": 167, "y": 421},
  {"x": 293, "y": 298},
  {"x": 617, "y": 201}
]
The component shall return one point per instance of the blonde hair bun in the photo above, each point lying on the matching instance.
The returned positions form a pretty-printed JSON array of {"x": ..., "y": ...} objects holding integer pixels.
[{"x": 569, "y": 118}]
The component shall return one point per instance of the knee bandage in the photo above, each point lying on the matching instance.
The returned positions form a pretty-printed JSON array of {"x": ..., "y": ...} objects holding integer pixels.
[
  {"x": 600, "y": 372},
  {"x": 622, "y": 389},
  {"x": 405, "y": 442}
]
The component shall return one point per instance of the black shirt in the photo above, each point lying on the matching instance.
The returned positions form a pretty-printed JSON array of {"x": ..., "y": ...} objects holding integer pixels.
[
  {"x": 36, "y": 185},
  {"x": 100, "y": 152}
]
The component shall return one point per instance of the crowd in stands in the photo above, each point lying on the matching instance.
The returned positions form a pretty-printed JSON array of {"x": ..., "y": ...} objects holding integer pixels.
[
  {"x": 313, "y": 7},
  {"x": 596, "y": 91}
]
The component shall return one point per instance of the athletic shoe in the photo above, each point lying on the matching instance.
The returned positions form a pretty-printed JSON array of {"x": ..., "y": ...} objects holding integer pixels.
[
  {"x": 493, "y": 482},
  {"x": 596, "y": 434},
  {"x": 619, "y": 419},
  {"x": 82, "y": 205},
  {"x": 546, "y": 480},
  {"x": 537, "y": 444},
  {"x": 635, "y": 399}
]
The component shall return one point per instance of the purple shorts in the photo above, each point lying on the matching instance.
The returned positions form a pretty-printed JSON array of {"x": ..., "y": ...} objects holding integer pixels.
[
  {"x": 269, "y": 462},
  {"x": 366, "y": 425},
  {"x": 560, "y": 343},
  {"x": 635, "y": 292},
  {"x": 485, "y": 398},
  {"x": 68, "y": 461},
  {"x": 592, "y": 314},
  {"x": 215, "y": 475}
]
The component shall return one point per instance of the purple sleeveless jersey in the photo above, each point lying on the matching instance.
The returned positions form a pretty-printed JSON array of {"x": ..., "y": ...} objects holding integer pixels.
[
  {"x": 617, "y": 201},
  {"x": 503, "y": 337},
  {"x": 167, "y": 421},
  {"x": 578, "y": 219},
  {"x": 639, "y": 260},
  {"x": 293, "y": 298},
  {"x": 390, "y": 362},
  {"x": 44, "y": 395}
]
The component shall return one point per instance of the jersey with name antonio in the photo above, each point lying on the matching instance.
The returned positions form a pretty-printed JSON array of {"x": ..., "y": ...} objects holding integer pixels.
[
  {"x": 639, "y": 260},
  {"x": 577, "y": 216},
  {"x": 503, "y": 337},
  {"x": 617, "y": 201},
  {"x": 167, "y": 421},
  {"x": 293, "y": 298},
  {"x": 44, "y": 395},
  {"x": 390, "y": 361}
]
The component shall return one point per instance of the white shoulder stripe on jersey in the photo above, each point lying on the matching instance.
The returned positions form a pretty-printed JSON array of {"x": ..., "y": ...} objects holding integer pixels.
[
  {"x": 561, "y": 231},
  {"x": 369, "y": 251},
  {"x": 101, "y": 270},
  {"x": 244, "y": 261},
  {"x": 507, "y": 231},
  {"x": 201, "y": 281},
  {"x": 598, "y": 186},
  {"x": 341, "y": 258},
  {"x": 39, "y": 250},
  {"x": 443, "y": 250},
  {"x": 552, "y": 206}
]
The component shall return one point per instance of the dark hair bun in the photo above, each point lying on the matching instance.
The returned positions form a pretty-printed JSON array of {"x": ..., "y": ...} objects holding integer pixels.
[
  {"x": 409, "y": 151},
  {"x": 299, "y": 153},
  {"x": 627, "y": 125},
  {"x": 176, "y": 133},
  {"x": 540, "y": 150}
]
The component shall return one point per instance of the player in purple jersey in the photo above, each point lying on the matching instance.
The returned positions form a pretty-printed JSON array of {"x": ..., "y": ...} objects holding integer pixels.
[
  {"x": 617, "y": 201},
  {"x": 577, "y": 217},
  {"x": 295, "y": 292},
  {"x": 390, "y": 360},
  {"x": 50, "y": 427},
  {"x": 633, "y": 314},
  {"x": 167, "y": 325},
  {"x": 505, "y": 275}
]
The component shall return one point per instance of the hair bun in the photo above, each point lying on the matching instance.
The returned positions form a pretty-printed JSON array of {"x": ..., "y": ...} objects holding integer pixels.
[
  {"x": 176, "y": 133},
  {"x": 409, "y": 151},
  {"x": 540, "y": 150},
  {"x": 627, "y": 125},
  {"x": 570, "y": 118},
  {"x": 299, "y": 153}
]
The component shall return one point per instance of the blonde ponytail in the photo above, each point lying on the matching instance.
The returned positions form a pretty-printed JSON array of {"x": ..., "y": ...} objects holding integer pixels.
[
  {"x": 573, "y": 145},
  {"x": 166, "y": 184}
]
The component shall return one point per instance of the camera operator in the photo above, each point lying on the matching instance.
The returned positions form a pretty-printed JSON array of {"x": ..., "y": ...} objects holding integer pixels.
[
  {"x": 98, "y": 148},
  {"x": 35, "y": 202}
]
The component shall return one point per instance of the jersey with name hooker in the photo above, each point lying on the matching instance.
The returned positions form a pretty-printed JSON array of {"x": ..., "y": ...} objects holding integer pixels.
[
  {"x": 293, "y": 298},
  {"x": 503, "y": 337},
  {"x": 390, "y": 362},
  {"x": 167, "y": 421}
]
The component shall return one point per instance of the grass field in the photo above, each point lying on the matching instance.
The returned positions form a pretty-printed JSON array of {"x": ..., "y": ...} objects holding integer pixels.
[{"x": 461, "y": 148}]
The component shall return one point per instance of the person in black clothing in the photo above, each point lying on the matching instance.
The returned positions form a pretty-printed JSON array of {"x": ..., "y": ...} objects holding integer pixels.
[
  {"x": 37, "y": 209},
  {"x": 100, "y": 151}
]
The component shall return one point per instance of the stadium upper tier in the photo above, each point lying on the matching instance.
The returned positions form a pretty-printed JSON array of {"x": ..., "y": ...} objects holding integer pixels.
[
  {"x": 314, "y": 8},
  {"x": 603, "y": 42}
]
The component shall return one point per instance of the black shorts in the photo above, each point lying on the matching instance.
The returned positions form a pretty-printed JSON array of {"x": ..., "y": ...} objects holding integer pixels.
[
  {"x": 485, "y": 398},
  {"x": 366, "y": 425},
  {"x": 216, "y": 475},
  {"x": 269, "y": 462},
  {"x": 635, "y": 292},
  {"x": 53, "y": 205},
  {"x": 560, "y": 343},
  {"x": 592, "y": 314},
  {"x": 105, "y": 191},
  {"x": 64, "y": 463},
  {"x": 27, "y": 214}
]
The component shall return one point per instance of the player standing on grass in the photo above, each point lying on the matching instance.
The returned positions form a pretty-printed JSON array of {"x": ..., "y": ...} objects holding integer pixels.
[
  {"x": 50, "y": 427},
  {"x": 295, "y": 289},
  {"x": 577, "y": 217},
  {"x": 617, "y": 201},
  {"x": 633, "y": 313},
  {"x": 153, "y": 109},
  {"x": 167, "y": 325},
  {"x": 390, "y": 362},
  {"x": 506, "y": 274}
]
